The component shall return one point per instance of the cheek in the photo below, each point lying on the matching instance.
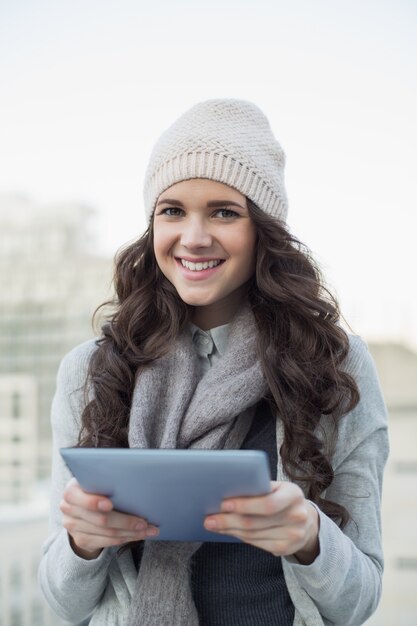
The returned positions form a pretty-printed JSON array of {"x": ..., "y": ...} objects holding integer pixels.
[
  {"x": 161, "y": 243},
  {"x": 245, "y": 249}
]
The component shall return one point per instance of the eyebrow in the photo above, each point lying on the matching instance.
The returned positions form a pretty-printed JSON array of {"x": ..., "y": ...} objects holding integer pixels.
[{"x": 211, "y": 203}]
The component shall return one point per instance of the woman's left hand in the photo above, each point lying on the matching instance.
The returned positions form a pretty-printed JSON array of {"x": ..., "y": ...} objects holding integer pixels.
[{"x": 282, "y": 522}]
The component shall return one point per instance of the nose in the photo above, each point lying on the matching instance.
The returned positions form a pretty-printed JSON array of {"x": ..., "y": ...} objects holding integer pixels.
[{"x": 196, "y": 233}]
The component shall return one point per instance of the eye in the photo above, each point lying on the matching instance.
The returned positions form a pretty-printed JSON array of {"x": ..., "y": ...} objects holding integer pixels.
[
  {"x": 172, "y": 211},
  {"x": 227, "y": 213}
]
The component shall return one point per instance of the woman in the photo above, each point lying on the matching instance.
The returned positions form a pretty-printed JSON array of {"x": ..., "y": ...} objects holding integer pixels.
[{"x": 223, "y": 336}]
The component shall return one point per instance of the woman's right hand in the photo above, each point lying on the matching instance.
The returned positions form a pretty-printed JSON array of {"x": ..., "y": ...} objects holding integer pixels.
[{"x": 92, "y": 524}]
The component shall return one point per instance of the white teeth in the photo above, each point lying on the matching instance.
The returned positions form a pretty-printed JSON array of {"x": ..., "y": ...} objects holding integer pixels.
[{"x": 197, "y": 267}]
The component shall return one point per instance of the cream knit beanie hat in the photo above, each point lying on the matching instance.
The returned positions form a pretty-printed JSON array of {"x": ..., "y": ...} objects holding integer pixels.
[{"x": 229, "y": 141}]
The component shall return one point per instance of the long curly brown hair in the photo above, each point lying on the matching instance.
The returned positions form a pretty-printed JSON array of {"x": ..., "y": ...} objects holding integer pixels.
[{"x": 301, "y": 347}]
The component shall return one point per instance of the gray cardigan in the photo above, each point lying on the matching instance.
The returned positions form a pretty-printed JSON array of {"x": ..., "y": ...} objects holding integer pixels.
[{"x": 342, "y": 586}]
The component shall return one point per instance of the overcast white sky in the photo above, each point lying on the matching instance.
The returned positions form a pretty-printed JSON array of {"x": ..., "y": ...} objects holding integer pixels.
[{"x": 88, "y": 86}]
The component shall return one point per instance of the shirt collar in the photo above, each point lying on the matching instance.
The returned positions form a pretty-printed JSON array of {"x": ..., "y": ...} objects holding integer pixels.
[{"x": 218, "y": 335}]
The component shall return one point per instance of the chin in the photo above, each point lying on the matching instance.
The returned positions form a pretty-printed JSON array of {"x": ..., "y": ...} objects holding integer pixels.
[{"x": 195, "y": 302}]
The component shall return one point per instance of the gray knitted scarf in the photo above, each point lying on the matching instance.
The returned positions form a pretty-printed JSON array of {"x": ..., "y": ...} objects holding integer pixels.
[{"x": 173, "y": 407}]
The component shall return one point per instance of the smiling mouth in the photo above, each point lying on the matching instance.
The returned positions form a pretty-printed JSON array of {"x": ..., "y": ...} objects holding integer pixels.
[{"x": 200, "y": 265}]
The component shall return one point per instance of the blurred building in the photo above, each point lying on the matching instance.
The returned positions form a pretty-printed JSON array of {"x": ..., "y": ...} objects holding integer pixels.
[
  {"x": 18, "y": 437},
  {"x": 397, "y": 369},
  {"x": 51, "y": 281},
  {"x": 22, "y": 531}
]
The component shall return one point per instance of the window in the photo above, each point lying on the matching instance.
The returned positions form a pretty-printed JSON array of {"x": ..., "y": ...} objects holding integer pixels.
[
  {"x": 16, "y": 405},
  {"x": 405, "y": 467},
  {"x": 407, "y": 562}
]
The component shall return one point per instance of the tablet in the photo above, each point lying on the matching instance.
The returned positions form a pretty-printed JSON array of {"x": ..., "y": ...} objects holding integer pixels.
[{"x": 173, "y": 489}]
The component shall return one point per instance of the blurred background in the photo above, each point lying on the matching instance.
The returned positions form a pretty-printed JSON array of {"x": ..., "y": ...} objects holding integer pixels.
[{"x": 86, "y": 89}]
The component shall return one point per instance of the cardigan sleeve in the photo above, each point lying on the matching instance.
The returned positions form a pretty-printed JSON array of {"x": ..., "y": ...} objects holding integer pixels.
[
  {"x": 72, "y": 586},
  {"x": 345, "y": 579}
]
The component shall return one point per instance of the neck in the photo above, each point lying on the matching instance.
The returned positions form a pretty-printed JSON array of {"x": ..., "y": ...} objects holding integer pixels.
[{"x": 218, "y": 313}]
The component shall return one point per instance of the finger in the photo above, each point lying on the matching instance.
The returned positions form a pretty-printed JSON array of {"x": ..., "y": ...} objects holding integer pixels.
[
  {"x": 283, "y": 495},
  {"x": 91, "y": 543},
  {"x": 125, "y": 521},
  {"x": 293, "y": 516},
  {"x": 76, "y": 527},
  {"x": 113, "y": 519},
  {"x": 278, "y": 541},
  {"x": 233, "y": 522},
  {"x": 74, "y": 494},
  {"x": 290, "y": 534}
]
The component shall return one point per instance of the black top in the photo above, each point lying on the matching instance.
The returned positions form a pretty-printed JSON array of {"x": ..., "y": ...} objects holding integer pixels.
[{"x": 235, "y": 583}]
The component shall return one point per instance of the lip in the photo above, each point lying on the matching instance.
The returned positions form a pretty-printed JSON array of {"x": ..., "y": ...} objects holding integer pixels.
[
  {"x": 198, "y": 259},
  {"x": 201, "y": 274}
]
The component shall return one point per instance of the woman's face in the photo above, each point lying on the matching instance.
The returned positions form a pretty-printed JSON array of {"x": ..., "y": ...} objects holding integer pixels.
[{"x": 204, "y": 243}]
